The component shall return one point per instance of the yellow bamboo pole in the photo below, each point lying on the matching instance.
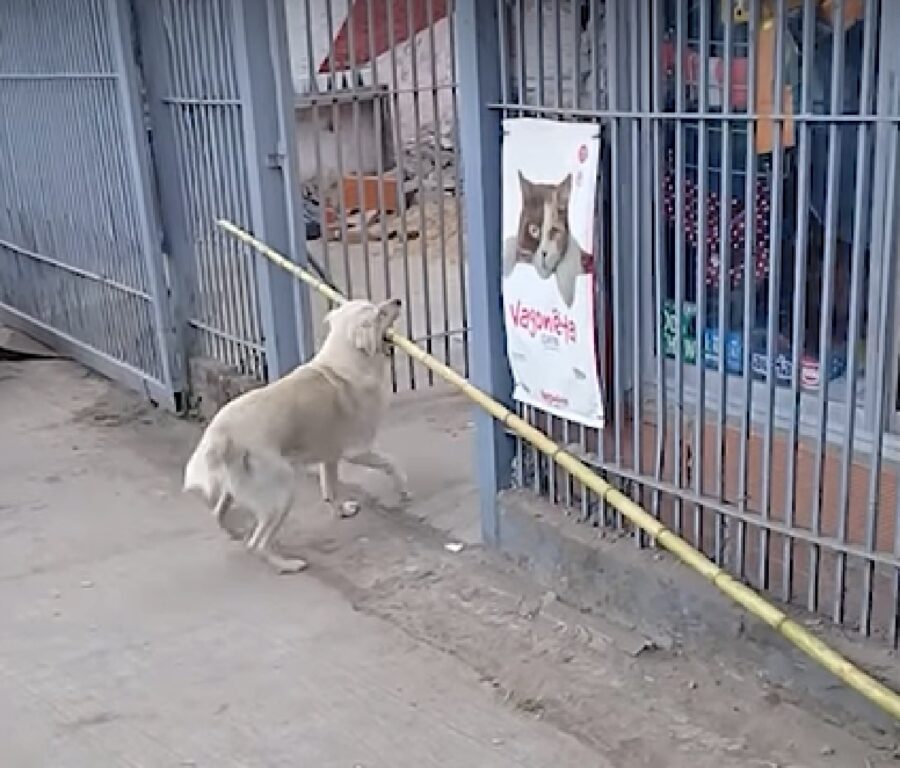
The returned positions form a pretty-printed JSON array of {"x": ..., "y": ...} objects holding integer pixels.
[{"x": 842, "y": 668}]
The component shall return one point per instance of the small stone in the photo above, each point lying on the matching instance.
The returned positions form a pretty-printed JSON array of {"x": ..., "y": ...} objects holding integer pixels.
[
  {"x": 826, "y": 751},
  {"x": 87, "y": 584},
  {"x": 693, "y": 685},
  {"x": 497, "y": 742}
]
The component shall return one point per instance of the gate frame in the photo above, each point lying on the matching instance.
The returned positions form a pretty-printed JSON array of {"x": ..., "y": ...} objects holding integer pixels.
[{"x": 480, "y": 137}]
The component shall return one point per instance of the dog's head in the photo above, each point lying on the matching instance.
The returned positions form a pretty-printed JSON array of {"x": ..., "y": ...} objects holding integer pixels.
[{"x": 363, "y": 324}]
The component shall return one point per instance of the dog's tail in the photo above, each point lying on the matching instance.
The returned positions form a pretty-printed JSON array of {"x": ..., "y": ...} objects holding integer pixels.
[{"x": 208, "y": 468}]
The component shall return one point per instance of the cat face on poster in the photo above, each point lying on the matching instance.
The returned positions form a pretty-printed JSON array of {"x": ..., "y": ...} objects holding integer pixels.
[{"x": 543, "y": 237}]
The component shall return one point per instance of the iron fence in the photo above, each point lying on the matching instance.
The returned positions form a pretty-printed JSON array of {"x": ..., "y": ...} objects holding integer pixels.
[{"x": 746, "y": 280}]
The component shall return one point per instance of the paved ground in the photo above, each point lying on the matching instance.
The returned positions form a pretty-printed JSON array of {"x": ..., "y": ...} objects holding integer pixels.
[{"x": 134, "y": 634}]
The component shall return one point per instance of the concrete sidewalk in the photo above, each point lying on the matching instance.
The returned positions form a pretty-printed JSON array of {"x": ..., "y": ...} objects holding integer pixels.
[{"x": 133, "y": 633}]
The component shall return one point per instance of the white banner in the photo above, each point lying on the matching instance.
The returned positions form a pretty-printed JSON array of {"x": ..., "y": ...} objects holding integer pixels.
[{"x": 549, "y": 188}]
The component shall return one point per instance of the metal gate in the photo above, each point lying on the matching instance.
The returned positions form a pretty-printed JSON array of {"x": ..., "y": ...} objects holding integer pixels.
[
  {"x": 80, "y": 260},
  {"x": 219, "y": 101}
]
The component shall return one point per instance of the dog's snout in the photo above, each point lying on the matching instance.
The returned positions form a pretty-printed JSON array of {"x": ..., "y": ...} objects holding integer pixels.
[{"x": 396, "y": 302}]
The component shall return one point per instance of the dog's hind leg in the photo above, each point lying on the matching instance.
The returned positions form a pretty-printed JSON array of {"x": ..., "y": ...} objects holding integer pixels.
[
  {"x": 276, "y": 497},
  {"x": 373, "y": 459},
  {"x": 225, "y": 502},
  {"x": 263, "y": 537}
]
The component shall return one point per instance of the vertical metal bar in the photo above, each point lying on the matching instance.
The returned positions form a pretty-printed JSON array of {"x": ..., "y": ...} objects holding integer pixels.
[
  {"x": 321, "y": 182},
  {"x": 522, "y": 75},
  {"x": 749, "y": 280},
  {"x": 212, "y": 39},
  {"x": 104, "y": 165},
  {"x": 194, "y": 81},
  {"x": 575, "y": 11},
  {"x": 503, "y": 42},
  {"x": 550, "y": 429},
  {"x": 598, "y": 254},
  {"x": 520, "y": 453},
  {"x": 535, "y": 455},
  {"x": 700, "y": 278},
  {"x": 187, "y": 87},
  {"x": 401, "y": 180},
  {"x": 724, "y": 286},
  {"x": 379, "y": 161},
  {"x": 224, "y": 296},
  {"x": 827, "y": 296},
  {"x": 775, "y": 256},
  {"x": 480, "y": 134},
  {"x": 271, "y": 216},
  {"x": 681, "y": 50},
  {"x": 287, "y": 167},
  {"x": 423, "y": 241},
  {"x": 355, "y": 80},
  {"x": 557, "y": 50},
  {"x": 539, "y": 50},
  {"x": 246, "y": 291},
  {"x": 138, "y": 161},
  {"x": 885, "y": 312},
  {"x": 613, "y": 26},
  {"x": 860, "y": 229},
  {"x": 659, "y": 252},
  {"x": 894, "y": 631},
  {"x": 637, "y": 128},
  {"x": 801, "y": 249},
  {"x": 439, "y": 173},
  {"x": 457, "y": 170},
  {"x": 337, "y": 123},
  {"x": 570, "y": 482}
]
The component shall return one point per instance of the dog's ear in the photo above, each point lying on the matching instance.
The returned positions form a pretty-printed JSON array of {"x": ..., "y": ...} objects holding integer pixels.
[{"x": 364, "y": 336}]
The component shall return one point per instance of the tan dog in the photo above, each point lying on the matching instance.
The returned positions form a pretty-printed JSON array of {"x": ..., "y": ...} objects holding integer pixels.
[{"x": 320, "y": 413}]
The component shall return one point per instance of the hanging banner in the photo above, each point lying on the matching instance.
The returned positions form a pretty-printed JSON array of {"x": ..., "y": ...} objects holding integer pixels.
[{"x": 549, "y": 189}]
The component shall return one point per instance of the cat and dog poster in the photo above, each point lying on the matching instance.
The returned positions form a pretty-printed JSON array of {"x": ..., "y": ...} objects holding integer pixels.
[{"x": 549, "y": 190}]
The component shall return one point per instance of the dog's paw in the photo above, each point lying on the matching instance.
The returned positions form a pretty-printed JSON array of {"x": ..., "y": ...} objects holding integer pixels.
[
  {"x": 349, "y": 508},
  {"x": 235, "y": 534},
  {"x": 286, "y": 565}
]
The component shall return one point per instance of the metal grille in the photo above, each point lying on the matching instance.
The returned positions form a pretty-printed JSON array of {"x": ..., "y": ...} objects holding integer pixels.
[
  {"x": 377, "y": 133},
  {"x": 205, "y": 108},
  {"x": 747, "y": 276},
  {"x": 79, "y": 266}
]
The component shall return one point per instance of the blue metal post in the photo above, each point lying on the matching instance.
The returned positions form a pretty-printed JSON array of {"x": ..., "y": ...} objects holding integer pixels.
[
  {"x": 478, "y": 65},
  {"x": 270, "y": 145}
]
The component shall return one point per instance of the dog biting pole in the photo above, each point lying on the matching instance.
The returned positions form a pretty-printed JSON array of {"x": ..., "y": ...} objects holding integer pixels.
[{"x": 841, "y": 667}]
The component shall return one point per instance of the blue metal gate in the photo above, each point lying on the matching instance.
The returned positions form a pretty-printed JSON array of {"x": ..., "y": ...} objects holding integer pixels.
[{"x": 81, "y": 266}]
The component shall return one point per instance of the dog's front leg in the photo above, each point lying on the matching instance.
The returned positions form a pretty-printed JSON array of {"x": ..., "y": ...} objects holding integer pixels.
[
  {"x": 330, "y": 485},
  {"x": 379, "y": 462}
]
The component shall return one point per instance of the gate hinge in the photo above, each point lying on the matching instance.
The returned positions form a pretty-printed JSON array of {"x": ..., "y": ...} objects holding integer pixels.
[{"x": 275, "y": 160}]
